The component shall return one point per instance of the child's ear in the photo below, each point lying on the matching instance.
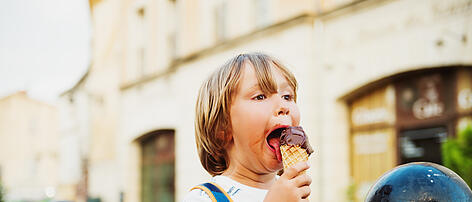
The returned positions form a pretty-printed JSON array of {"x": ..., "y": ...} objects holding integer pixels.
[{"x": 226, "y": 136}]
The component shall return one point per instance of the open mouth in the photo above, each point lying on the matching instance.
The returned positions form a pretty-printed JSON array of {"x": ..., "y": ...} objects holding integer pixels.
[{"x": 273, "y": 140}]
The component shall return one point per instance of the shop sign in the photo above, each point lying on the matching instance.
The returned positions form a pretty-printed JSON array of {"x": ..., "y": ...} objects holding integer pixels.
[
  {"x": 429, "y": 105},
  {"x": 464, "y": 98},
  {"x": 364, "y": 116}
]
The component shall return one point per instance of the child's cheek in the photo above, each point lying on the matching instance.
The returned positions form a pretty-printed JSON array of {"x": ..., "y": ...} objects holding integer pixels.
[{"x": 296, "y": 115}]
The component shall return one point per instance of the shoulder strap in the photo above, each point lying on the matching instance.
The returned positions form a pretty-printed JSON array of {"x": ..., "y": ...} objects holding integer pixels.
[{"x": 216, "y": 193}]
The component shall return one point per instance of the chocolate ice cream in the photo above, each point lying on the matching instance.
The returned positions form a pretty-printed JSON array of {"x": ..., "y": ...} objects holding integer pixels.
[{"x": 294, "y": 135}]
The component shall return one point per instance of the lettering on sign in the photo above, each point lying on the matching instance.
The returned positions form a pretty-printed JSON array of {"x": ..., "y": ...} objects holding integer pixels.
[
  {"x": 464, "y": 98},
  {"x": 423, "y": 109},
  {"x": 370, "y": 143},
  {"x": 362, "y": 116},
  {"x": 429, "y": 105}
]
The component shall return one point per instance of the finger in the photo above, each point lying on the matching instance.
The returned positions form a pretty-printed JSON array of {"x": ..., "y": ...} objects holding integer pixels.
[
  {"x": 295, "y": 170},
  {"x": 302, "y": 180},
  {"x": 304, "y": 192},
  {"x": 304, "y": 200}
]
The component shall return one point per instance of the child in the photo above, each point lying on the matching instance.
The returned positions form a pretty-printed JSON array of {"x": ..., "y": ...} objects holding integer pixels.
[{"x": 238, "y": 106}]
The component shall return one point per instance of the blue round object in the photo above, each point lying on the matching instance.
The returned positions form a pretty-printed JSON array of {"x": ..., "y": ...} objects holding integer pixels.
[{"x": 420, "y": 181}]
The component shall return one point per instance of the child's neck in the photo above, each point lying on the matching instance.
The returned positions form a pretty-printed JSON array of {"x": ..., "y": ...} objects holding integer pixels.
[{"x": 249, "y": 178}]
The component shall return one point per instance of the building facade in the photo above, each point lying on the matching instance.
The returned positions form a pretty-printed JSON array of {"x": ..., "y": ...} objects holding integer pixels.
[
  {"x": 28, "y": 148},
  {"x": 381, "y": 83}
]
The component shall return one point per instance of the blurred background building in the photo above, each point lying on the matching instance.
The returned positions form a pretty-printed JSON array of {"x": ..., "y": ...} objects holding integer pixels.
[
  {"x": 29, "y": 156},
  {"x": 382, "y": 83}
]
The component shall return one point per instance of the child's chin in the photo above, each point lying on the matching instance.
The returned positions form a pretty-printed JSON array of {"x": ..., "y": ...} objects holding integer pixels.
[{"x": 275, "y": 167}]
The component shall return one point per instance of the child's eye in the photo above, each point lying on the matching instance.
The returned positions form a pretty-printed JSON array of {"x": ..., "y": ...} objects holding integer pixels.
[
  {"x": 260, "y": 97},
  {"x": 288, "y": 97}
]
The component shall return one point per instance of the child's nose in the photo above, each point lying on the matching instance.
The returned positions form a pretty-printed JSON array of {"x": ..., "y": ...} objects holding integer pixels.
[{"x": 283, "y": 110}]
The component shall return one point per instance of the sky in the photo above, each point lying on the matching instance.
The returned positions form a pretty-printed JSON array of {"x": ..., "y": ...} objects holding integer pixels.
[{"x": 44, "y": 46}]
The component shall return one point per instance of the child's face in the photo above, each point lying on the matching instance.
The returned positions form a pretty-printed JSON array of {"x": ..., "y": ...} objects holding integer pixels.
[{"x": 254, "y": 115}]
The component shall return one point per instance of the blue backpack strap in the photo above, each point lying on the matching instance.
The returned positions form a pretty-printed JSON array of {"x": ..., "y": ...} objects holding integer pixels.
[{"x": 215, "y": 192}]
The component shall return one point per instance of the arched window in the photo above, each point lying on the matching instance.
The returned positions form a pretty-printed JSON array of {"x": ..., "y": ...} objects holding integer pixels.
[{"x": 158, "y": 166}]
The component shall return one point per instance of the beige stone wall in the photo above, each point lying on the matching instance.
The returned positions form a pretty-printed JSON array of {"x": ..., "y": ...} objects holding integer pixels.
[
  {"x": 106, "y": 73},
  {"x": 28, "y": 147},
  {"x": 199, "y": 21}
]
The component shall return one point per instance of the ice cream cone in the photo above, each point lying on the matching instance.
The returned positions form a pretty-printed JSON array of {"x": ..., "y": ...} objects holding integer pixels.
[{"x": 292, "y": 154}]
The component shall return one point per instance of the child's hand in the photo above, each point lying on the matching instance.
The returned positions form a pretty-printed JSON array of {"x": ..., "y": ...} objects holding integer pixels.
[{"x": 291, "y": 186}]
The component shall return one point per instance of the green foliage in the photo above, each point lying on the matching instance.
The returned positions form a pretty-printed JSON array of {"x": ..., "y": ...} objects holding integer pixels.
[
  {"x": 351, "y": 192},
  {"x": 457, "y": 154},
  {"x": 1, "y": 193}
]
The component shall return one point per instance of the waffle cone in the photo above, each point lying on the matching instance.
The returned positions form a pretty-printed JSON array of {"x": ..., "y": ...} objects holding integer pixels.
[{"x": 292, "y": 155}]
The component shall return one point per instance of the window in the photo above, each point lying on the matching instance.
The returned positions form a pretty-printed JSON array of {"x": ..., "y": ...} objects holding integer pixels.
[
  {"x": 158, "y": 167},
  {"x": 172, "y": 33},
  {"x": 422, "y": 145},
  {"x": 261, "y": 12},
  {"x": 220, "y": 21},
  {"x": 141, "y": 41},
  {"x": 172, "y": 44}
]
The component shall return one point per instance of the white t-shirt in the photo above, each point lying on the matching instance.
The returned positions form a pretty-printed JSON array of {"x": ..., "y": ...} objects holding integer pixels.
[{"x": 237, "y": 191}]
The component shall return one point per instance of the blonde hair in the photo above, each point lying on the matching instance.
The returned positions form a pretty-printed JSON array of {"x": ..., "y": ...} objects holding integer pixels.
[{"x": 213, "y": 121}]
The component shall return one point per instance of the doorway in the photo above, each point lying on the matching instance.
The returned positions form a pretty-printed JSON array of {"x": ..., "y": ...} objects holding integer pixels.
[{"x": 422, "y": 145}]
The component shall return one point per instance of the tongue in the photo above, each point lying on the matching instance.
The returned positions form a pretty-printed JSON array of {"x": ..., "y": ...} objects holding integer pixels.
[{"x": 275, "y": 143}]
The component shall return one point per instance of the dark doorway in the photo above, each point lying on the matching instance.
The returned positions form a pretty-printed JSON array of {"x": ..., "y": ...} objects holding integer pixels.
[
  {"x": 158, "y": 167},
  {"x": 422, "y": 145}
]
